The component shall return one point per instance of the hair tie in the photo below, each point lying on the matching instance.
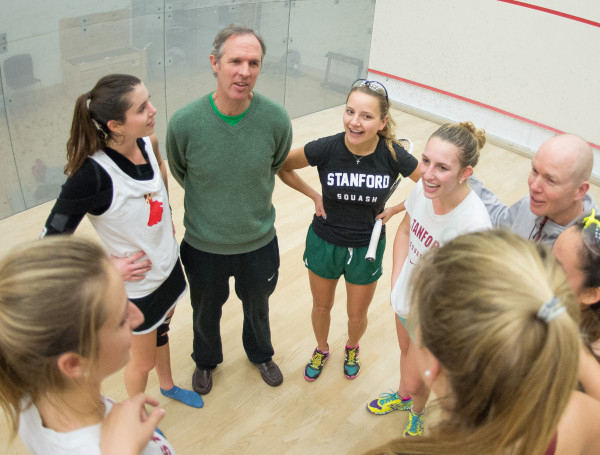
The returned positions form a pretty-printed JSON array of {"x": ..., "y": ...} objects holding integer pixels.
[
  {"x": 551, "y": 309},
  {"x": 99, "y": 128}
]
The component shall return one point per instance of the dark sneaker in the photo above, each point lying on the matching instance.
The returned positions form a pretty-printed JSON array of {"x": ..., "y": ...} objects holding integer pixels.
[{"x": 313, "y": 368}]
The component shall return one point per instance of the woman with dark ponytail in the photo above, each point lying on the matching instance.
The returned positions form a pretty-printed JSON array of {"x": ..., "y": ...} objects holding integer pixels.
[{"x": 117, "y": 177}]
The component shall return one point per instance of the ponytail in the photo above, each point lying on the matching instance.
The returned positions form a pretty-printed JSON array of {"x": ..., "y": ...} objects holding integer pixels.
[
  {"x": 389, "y": 134},
  {"x": 89, "y": 131},
  {"x": 85, "y": 138}
]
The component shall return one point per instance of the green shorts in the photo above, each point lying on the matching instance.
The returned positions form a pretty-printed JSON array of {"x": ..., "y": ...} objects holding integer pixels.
[{"x": 331, "y": 261}]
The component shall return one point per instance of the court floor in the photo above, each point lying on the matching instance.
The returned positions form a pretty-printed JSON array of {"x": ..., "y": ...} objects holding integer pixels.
[{"x": 242, "y": 415}]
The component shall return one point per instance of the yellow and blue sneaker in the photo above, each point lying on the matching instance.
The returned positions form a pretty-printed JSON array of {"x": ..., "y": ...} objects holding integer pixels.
[
  {"x": 388, "y": 402},
  {"x": 313, "y": 368},
  {"x": 414, "y": 426},
  {"x": 351, "y": 362}
]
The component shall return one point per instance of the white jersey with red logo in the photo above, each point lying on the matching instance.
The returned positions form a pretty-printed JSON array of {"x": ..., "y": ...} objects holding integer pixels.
[{"x": 138, "y": 219}]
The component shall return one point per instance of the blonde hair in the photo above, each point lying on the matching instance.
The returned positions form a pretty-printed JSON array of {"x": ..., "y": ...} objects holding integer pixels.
[
  {"x": 51, "y": 294},
  {"x": 476, "y": 301},
  {"x": 388, "y": 133},
  {"x": 468, "y": 139}
]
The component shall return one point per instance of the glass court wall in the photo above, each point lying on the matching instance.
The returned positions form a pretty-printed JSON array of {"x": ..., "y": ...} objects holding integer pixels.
[{"x": 51, "y": 52}]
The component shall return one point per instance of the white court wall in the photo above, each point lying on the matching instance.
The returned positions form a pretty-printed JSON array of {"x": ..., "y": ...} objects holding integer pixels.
[{"x": 520, "y": 73}]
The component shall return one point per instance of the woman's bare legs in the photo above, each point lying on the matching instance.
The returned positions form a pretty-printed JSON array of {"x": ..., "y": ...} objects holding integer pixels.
[
  {"x": 323, "y": 292},
  {"x": 359, "y": 299}
]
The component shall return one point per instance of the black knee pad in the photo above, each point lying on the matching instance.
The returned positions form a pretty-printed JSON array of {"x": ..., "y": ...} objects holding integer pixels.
[{"x": 162, "y": 333}]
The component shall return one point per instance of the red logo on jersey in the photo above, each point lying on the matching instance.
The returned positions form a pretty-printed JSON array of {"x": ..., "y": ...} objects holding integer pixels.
[{"x": 156, "y": 210}]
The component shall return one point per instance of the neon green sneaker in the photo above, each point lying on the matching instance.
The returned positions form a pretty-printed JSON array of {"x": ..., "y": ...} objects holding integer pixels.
[
  {"x": 388, "y": 402},
  {"x": 414, "y": 426}
]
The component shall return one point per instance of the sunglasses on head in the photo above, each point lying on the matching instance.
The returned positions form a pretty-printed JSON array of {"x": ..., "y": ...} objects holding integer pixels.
[
  {"x": 591, "y": 232},
  {"x": 374, "y": 86}
]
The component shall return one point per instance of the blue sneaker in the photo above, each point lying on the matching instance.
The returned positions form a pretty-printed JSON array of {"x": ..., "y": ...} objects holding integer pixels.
[
  {"x": 414, "y": 426},
  {"x": 351, "y": 362},
  {"x": 313, "y": 368}
]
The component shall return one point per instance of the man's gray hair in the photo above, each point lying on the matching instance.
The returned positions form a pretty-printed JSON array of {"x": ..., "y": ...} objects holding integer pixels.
[{"x": 230, "y": 30}]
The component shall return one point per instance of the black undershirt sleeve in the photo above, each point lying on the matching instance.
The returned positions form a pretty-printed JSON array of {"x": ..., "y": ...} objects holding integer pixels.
[{"x": 90, "y": 190}]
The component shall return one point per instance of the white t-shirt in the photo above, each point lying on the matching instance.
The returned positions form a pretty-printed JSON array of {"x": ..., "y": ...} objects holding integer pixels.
[
  {"x": 429, "y": 230},
  {"x": 44, "y": 441}
]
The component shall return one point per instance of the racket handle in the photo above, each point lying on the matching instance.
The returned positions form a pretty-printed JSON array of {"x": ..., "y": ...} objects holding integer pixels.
[{"x": 372, "y": 250}]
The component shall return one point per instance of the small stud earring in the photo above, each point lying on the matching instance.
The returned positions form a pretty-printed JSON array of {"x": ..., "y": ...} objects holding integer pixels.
[{"x": 427, "y": 373}]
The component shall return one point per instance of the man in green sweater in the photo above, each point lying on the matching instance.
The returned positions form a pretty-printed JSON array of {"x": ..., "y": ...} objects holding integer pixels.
[{"x": 225, "y": 149}]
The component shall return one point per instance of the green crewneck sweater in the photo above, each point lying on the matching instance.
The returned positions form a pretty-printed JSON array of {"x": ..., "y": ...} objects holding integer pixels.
[{"x": 228, "y": 173}]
